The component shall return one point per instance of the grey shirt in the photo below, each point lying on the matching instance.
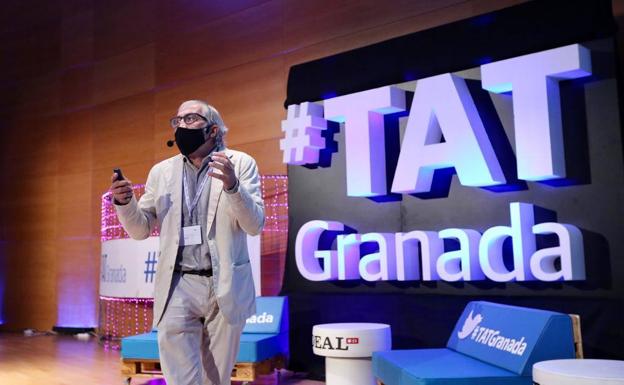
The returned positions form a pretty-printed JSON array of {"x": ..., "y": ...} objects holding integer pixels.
[{"x": 195, "y": 257}]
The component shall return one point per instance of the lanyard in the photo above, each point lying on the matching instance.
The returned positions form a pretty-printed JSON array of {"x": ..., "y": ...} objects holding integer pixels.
[{"x": 191, "y": 205}]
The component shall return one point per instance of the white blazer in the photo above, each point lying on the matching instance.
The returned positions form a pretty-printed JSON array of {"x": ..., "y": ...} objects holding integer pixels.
[{"x": 230, "y": 217}]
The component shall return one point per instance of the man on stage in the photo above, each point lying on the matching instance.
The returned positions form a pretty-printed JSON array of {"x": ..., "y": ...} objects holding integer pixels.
[{"x": 205, "y": 201}]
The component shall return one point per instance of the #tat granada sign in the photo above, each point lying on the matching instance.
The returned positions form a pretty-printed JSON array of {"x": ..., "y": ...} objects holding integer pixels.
[{"x": 443, "y": 130}]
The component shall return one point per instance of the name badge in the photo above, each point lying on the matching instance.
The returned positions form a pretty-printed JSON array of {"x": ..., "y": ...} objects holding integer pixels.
[{"x": 191, "y": 235}]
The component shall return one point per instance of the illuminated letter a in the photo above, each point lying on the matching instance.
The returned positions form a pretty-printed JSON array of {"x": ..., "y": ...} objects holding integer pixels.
[{"x": 443, "y": 107}]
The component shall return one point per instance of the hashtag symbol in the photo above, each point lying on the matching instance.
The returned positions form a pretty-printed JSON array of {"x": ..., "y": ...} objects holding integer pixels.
[
  {"x": 150, "y": 266},
  {"x": 302, "y": 128}
]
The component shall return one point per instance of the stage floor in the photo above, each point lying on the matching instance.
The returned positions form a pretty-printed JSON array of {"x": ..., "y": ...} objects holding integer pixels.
[{"x": 64, "y": 360}]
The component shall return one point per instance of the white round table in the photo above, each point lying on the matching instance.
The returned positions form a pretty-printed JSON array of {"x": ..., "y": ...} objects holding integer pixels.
[
  {"x": 348, "y": 348},
  {"x": 579, "y": 372}
]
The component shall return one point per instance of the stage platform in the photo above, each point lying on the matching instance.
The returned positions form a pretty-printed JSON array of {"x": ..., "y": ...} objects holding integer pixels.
[{"x": 62, "y": 360}]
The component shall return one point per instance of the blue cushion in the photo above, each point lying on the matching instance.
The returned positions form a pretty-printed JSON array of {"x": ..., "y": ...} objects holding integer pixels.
[
  {"x": 439, "y": 367},
  {"x": 141, "y": 346},
  {"x": 265, "y": 335},
  {"x": 271, "y": 316},
  {"x": 512, "y": 337},
  {"x": 255, "y": 347}
]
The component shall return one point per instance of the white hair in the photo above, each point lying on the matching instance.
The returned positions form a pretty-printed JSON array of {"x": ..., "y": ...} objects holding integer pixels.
[{"x": 213, "y": 118}]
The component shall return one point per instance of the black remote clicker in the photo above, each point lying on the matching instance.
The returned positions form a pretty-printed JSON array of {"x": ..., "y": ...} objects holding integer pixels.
[{"x": 119, "y": 174}]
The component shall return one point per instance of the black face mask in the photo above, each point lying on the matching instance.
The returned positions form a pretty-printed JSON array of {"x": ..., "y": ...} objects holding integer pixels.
[{"x": 189, "y": 140}]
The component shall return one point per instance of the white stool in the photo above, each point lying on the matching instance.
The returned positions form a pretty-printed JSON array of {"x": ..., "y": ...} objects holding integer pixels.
[
  {"x": 348, "y": 348},
  {"x": 579, "y": 372}
]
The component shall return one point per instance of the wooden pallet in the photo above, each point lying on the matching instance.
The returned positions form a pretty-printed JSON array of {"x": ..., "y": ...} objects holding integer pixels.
[
  {"x": 243, "y": 371},
  {"x": 249, "y": 371},
  {"x": 578, "y": 339},
  {"x": 131, "y": 368}
]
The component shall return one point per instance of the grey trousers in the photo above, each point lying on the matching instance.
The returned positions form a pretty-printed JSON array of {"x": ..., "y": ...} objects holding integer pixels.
[{"x": 197, "y": 345}]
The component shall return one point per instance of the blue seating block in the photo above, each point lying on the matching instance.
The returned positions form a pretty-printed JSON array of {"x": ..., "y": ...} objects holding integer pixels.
[
  {"x": 256, "y": 347},
  {"x": 491, "y": 344},
  {"x": 271, "y": 316},
  {"x": 266, "y": 333},
  {"x": 142, "y": 346},
  {"x": 512, "y": 337},
  {"x": 264, "y": 336},
  {"x": 439, "y": 366}
]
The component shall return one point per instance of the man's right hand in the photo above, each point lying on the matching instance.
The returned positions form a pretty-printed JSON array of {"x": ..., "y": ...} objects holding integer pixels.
[{"x": 121, "y": 189}]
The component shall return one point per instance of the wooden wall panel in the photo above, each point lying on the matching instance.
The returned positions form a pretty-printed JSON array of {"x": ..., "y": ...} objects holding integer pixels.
[
  {"x": 245, "y": 36},
  {"x": 76, "y": 142},
  {"x": 37, "y": 14},
  {"x": 32, "y": 148},
  {"x": 124, "y": 75},
  {"x": 122, "y": 25},
  {"x": 30, "y": 294},
  {"x": 4, "y": 263},
  {"x": 618, "y": 12},
  {"x": 77, "y": 88},
  {"x": 183, "y": 16},
  {"x": 31, "y": 207},
  {"x": 69, "y": 8},
  {"x": 77, "y": 38},
  {"x": 39, "y": 95},
  {"x": 267, "y": 154},
  {"x": 74, "y": 214},
  {"x": 35, "y": 51},
  {"x": 8, "y": 98},
  {"x": 86, "y": 86},
  {"x": 251, "y": 99},
  {"x": 400, "y": 27},
  {"x": 312, "y": 21},
  {"x": 32, "y": 221},
  {"x": 123, "y": 131},
  {"x": 77, "y": 267}
]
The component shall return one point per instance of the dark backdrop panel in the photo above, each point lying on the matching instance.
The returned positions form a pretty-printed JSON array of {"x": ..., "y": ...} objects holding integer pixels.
[
  {"x": 515, "y": 31},
  {"x": 422, "y": 314}
]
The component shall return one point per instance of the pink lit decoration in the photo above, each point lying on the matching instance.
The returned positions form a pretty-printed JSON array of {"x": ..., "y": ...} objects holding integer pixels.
[
  {"x": 124, "y": 317},
  {"x": 275, "y": 195},
  {"x": 275, "y": 234},
  {"x": 111, "y": 228},
  {"x": 120, "y": 317}
]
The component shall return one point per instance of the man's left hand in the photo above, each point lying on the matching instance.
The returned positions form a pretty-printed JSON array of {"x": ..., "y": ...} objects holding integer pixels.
[{"x": 222, "y": 162}]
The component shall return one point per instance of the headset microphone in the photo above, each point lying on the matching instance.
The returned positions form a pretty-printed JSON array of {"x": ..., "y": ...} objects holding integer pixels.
[{"x": 170, "y": 143}]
